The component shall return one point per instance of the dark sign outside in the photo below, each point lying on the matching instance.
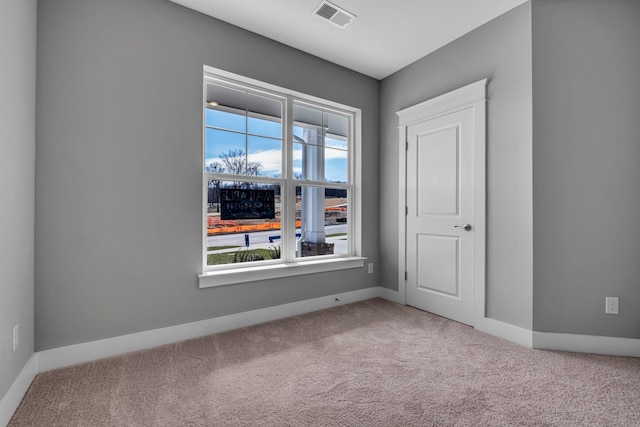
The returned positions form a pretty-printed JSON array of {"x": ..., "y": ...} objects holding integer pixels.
[{"x": 240, "y": 203}]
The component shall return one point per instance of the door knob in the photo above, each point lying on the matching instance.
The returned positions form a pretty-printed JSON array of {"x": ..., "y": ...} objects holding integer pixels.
[{"x": 466, "y": 227}]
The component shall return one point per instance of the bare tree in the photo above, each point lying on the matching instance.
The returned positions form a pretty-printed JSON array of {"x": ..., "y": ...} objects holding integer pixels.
[
  {"x": 235, "y": 162},
  {"x": 215, "y": 167},
  {"x": 254, "y": 168}
]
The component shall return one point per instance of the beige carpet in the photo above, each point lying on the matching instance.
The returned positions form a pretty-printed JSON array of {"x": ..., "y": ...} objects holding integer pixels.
[{"x": 373, "y": 363}]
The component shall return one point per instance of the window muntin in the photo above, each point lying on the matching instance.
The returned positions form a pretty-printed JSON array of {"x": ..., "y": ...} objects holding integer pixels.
[
  {"x": 243, "y": 132},
  {"x": 321, "y": 145},
  {"x": 246, "y": 146}
]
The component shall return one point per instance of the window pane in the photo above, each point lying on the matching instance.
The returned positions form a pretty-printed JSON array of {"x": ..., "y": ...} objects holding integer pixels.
[
  {"x": 225, "y": 120},
  {"x": 308, "y": 135},
  {"x": 297, "y": 161},
  {"x": 336, "y": 131},
  {"x": 336, "y": 143},
  {"x": 336, "y": 167},
  {"x": 265, "y": 128},
  {"x": 319, "y": 164},
  {"x": 307, "y": 117},
  {"x": 241, "y": 240},
  {"x": 226, "y": 108},
  {"x": 265, "y": 116},
  {"x": 265, "y": 157},
  {"x": 321, "y": 221},
  {"x": 298, "y": 134},
  {"x": 321, "y": 143},
  {"x": 310, "y": 159},
  {"x": 225, "y": 150}
]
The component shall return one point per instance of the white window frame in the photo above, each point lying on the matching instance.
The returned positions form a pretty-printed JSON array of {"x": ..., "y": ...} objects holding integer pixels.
[{"x": 227, "y": 274}]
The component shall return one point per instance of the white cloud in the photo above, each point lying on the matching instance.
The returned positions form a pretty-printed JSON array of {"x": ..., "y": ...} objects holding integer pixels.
[{"x": 271, "y": 161}]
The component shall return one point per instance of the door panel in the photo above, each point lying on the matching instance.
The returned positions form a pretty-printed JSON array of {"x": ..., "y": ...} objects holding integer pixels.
[
  {"x": 438, "y": 271},
  {"x": 440, "y": 201},
  {"x": 437, "y": 179}
]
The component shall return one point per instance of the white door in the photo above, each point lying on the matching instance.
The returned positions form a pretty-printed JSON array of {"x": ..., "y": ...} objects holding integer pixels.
[{"x": 440, "y": 215}]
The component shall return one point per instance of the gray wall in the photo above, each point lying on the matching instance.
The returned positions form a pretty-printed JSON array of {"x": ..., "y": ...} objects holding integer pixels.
[
  {"x": 500, "y": 51},
  {"x": 586, "y": 110},
  {"x": 17, "y": 175},
  {"x": 119, "y": 166}
]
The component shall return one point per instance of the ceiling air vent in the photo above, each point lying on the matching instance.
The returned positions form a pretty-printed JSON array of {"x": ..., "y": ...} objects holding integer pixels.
[{"x": 334, "y": 14}]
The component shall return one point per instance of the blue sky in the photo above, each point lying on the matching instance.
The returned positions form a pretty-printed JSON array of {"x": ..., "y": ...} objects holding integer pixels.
[{"x": 264, "y": 144}]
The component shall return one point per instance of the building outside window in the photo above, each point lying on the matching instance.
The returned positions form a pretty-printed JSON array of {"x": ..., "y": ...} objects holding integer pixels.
[{"x": 280, "y": 181}]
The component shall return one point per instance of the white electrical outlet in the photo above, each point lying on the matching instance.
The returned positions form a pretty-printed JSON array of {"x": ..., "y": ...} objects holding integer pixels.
[
  {"x": 16, "y": 338},
  {"x": 370, "y": 268},
  {"x": 611, "y": 305}
]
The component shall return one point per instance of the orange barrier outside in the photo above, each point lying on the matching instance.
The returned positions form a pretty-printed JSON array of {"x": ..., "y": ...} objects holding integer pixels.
[
  {"x": 215, "y": 221},
  {"x": 223, "y": 227}
]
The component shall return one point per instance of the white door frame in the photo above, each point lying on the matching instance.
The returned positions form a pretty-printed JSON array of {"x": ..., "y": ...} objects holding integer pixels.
[{"x": 470, "y": 96}]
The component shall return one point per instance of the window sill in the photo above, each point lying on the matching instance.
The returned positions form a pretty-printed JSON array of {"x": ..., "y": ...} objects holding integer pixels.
[{"x": 252, "y": 274}]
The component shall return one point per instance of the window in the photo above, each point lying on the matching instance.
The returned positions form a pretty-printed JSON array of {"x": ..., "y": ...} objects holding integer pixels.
[{"x": 280, "y": 182}]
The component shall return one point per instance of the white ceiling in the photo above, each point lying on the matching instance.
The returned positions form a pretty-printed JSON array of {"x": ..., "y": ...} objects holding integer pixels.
[{"x": 385, "y": 37}]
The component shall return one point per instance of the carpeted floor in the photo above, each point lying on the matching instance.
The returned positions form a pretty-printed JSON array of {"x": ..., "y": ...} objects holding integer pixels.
[{"x": 373, "y": 363}]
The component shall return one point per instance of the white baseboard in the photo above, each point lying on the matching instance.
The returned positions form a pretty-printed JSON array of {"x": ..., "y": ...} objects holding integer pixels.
[
  {"x": 391, "y": 295},
  {"x": 16, "y": 392},
  {"x": 612, "y": 346},
  {"x": 85, "y": 352},
  {"x": 505, "y": 331}
]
